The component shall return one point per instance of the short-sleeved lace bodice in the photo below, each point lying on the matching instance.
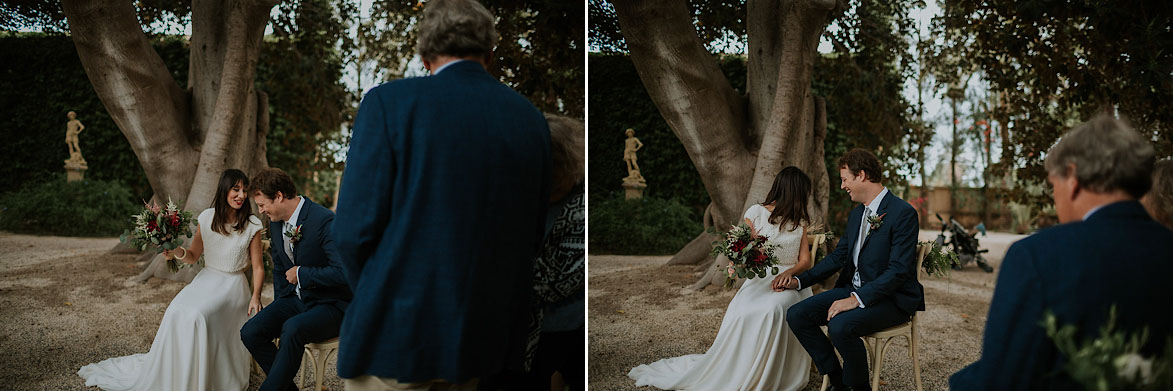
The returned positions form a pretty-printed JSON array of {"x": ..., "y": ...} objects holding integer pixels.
[
  {"x": 226, "y": 253},
  {"x": 789, "y": 240}
]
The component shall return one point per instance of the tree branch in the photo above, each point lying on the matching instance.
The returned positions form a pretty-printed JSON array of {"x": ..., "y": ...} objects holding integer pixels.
[
  {"x": 692, "y": 94},
  {"x": 245, "y": 29},
  {"x": 137, "y": 89}
]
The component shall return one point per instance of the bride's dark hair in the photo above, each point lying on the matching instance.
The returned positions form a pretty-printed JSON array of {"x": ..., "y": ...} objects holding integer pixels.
[
  {"x": 223, "y": 211},
  {"x": 790, "y": 194}
]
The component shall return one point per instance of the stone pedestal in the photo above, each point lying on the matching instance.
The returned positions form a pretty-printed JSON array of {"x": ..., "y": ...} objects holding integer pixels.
[
  {"x": 633, "y": 189},
  {"x": 75, "y": 170}
]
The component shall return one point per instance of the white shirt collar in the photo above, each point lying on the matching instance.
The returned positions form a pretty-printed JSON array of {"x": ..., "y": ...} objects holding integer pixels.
[
  {"x": 1093, "y": 211},
  {"x": 293, "y": 218},
  {"x": 875, "y": 204},
  {"x": 445, "y": 66}
]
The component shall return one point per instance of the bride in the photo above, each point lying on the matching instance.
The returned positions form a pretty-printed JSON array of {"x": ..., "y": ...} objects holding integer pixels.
[
  {"x": 198, "y": 345},
  {"x": 754, "y": 349}
]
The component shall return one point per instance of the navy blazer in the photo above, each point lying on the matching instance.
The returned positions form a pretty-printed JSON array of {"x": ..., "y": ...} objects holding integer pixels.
[
  {"x": 1118, "y": 256},
  {"x": 887, "y": 261},
  {"x": 440, "y": 216},
  {"x": 321, "y": 276}
]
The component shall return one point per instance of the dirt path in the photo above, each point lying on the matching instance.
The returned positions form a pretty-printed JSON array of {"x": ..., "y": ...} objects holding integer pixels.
[
  {"x": 638, "y": 314},
  {"x": 65, "y": 302}
]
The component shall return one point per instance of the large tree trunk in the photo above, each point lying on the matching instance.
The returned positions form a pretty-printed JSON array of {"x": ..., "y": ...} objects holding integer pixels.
[
  {"x": 183, "y": 139},
  {"x": 728, "y": 137}
]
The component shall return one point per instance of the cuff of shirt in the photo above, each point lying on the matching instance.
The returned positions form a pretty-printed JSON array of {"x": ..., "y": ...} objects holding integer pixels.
[
  {"x": 298, "y": 274},
  {"x": 852, "y": 293},
  {"x": 799, "y": 282}
]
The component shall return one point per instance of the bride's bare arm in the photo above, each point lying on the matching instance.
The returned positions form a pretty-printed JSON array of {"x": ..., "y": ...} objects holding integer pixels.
[
  {"x": 804, "y": 254},
  {"x": 258, "y": 264},
  {"x": 804, "y": 263},
  {"x": 191, "y": 254}
]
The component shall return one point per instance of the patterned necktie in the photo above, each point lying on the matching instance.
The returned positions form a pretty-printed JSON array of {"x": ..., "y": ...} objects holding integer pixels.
[{"x": 863, "y": 235}]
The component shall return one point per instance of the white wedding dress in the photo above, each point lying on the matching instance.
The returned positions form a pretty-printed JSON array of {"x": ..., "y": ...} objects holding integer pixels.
[
  {"x": 755, "y": 349},
  {"x": 198, "y": 344}
]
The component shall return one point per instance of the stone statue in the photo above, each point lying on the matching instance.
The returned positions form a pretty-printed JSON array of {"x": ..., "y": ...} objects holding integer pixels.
[
  {"x": 75, "y": 166},
  {"x": 72, "y": 129},
  {"x": 632, "y": 145},
  {"x": 634, "y": 183}
]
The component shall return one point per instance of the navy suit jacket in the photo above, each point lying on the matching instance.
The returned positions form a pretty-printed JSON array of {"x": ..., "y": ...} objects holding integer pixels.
[
  {"x": 887, "y": 261},
  {"x": 440, "y": 215},
  {"x": 321, "y": 276},
  {"x": 1118, "y": 256}
]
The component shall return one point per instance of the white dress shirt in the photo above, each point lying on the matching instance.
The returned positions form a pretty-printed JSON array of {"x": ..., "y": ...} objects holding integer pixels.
[
  {"x": 869, "y": 209},
  {"x": 289, "y": 226},
  {"x": 446, "y": 65}
]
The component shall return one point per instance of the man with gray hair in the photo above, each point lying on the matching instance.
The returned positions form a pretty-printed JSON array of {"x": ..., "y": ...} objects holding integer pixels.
[
  {"x": 440, "y": 216},
  {"x": 1106, "y": 253}
]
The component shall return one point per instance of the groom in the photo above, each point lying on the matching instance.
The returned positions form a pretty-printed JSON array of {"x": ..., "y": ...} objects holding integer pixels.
[
  {"x": 877, "y": 286},
  {"x": 309, "y": 287}
]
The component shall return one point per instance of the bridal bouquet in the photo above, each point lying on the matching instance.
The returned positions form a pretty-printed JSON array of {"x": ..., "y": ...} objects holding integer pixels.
[
  {"x": 1113, "y": 361},
  {"x": 751, "y": 256},
  {"x": 163, "y": 227}
]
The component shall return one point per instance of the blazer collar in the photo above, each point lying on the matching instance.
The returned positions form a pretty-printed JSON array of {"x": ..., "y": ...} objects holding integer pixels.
[
  {"x": 465, "y": 66},
  {"x": 879, "y": 212},
  {"x": 1119, "y": 209}
]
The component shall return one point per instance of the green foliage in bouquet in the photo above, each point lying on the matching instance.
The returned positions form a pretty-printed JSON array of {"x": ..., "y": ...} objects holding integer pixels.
[
  {"x": 750, "y": 254},
  {"x": 57, "y": 207},
  {"x": 938, "y": 261},
  {"x": 162, "y": 227},
  {"x": 1112, "y": 361},
  {"x": 266, "y": 251}
]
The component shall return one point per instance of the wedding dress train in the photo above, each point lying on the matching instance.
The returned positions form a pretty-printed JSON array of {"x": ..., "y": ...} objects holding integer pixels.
[
  {"x": 197, "y": 346},
  {"x": 754, "y": 349}
]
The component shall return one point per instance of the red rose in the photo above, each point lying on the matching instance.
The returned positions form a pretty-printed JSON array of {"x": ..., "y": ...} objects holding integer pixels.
[
  {"x": 151, "y": 226},
  {"x": 739, "y": 245}
]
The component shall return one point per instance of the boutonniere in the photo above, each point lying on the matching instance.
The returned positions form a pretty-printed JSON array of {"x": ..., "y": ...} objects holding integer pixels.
[
  {"x": 874, "y": 222},
  {"x": 294, "y": 235}
]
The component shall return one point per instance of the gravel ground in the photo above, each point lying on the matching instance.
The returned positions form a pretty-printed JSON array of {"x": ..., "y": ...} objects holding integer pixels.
[
  {"x": 65, "y": 302},
  {"x": 638, "y": 314}
]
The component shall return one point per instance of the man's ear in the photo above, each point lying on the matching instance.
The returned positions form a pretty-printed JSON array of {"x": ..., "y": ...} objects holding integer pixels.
[{"x": 1076, "y": 187}]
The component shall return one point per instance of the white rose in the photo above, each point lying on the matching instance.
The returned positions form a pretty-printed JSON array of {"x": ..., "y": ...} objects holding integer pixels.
[{"x": 1128, "y": 366}]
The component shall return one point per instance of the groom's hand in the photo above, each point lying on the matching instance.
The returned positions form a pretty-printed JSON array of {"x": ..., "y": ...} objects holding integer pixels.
[
  {"x": 778, "y": 280},
  {"x": 841, "y": 306},
  {"x": 291, "y": 275},
  {"x": 784, "y": 282}
]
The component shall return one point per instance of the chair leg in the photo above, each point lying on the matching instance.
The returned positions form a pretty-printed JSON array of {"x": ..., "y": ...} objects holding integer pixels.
[
  {"x": 320, "y": 369},
  {"x": 879, "y": 363},
  {"x": 912, "y": 345},
  {"x": 306, "y": 359}
]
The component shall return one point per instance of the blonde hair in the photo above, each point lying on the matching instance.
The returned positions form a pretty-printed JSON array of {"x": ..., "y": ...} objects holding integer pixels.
[
  {"x": 567, "y": 150},
  {"x": 1160, "y": 197}
]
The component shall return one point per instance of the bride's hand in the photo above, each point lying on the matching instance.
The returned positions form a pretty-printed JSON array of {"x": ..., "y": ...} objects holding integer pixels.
[
  {"x": 783, "y": 280},
  {"x": 254, "y": 306}
]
